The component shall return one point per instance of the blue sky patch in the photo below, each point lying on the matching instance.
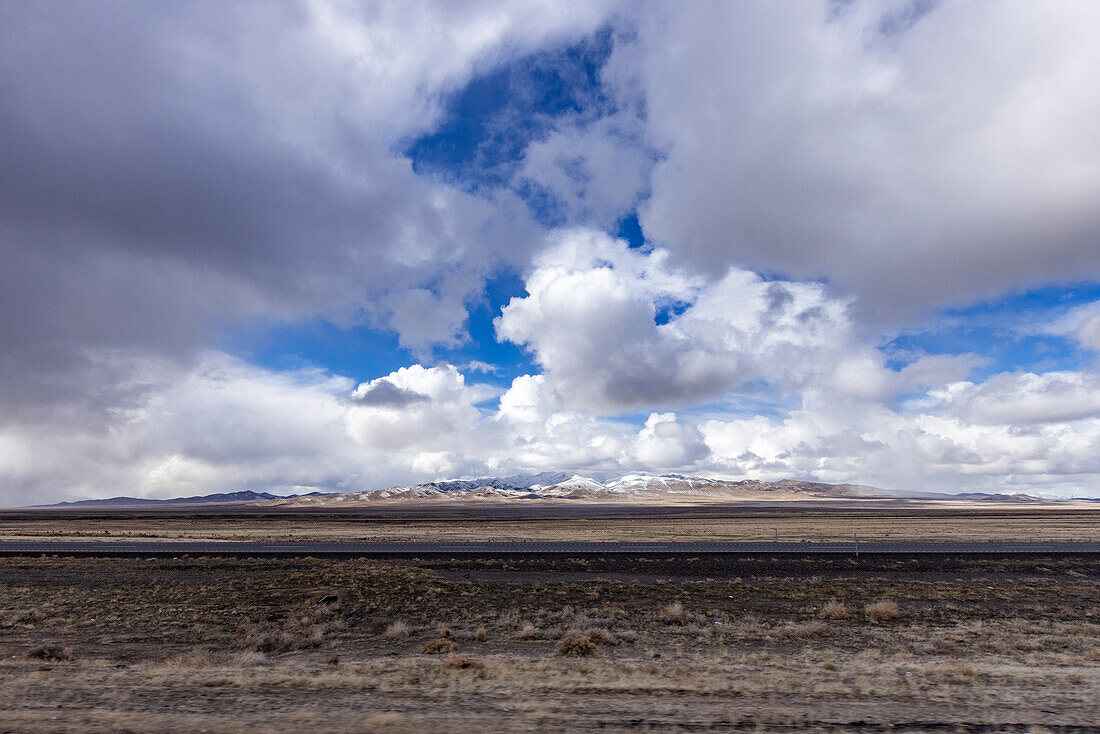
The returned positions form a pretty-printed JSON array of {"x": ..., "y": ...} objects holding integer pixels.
[
  {"x": 489, "y": 123},
  {"x": 1011, "y": 332}
]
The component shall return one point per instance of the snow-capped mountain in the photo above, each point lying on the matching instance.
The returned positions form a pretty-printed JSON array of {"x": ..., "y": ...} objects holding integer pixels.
[
  {"x": 563, "y": 485},
  {"x": 515, "y": 481}
]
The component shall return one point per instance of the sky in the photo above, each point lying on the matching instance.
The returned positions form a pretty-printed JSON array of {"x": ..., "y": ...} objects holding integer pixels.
[{"x": 331, "y": 245}]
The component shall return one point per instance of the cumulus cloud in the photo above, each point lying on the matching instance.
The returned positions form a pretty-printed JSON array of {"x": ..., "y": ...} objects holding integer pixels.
[
  {"x": 666, "y": 443},
  {"x": 382, "y": 393},
  {"x": 616, "y": 328},
  {"x": 439, "y": 410},
  {"x": 1023, "y": 398},
  {"x": 543, "y": 433},
  {"x": 215, "y": 425},
  {"x": 912, "y": 164},
  {"x": 221, "y": 424},
  {"x": 922, "y": 450}
]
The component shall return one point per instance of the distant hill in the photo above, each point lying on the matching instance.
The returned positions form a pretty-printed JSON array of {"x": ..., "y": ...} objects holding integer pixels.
[{"x": 224, "y": 498}]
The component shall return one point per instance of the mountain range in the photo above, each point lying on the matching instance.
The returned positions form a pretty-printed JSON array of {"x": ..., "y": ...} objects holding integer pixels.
[{"x": 563, "y": 486}]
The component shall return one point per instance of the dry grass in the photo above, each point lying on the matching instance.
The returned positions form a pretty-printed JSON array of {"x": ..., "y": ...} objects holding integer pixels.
[
  {"x": 209, "y": 658},
  {"x": 397, "y": 630},
  {"x": 21, "y": 618},
  {"x": 601, "y": 636},
  {"x": 456, "y": 662},
  {"x": 385, "y": 721},
  {"x": 673, "y": 612},
  {"x": 833, "y": 521},
  {"x": 480, "y": 635},
  {"x": 577, "y": 645},
  {"x": 440, "y": 646},
  {"x": 882, "y": 611},
  {"x": 167, "y": 644},
  {"x": 835, "y": 610}
]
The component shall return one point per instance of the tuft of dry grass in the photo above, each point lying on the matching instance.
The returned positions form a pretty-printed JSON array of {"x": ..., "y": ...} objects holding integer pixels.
[
  {"x": 671, "y": 613},
  {"x": 440, "y": 646},
  {"x": 600, "y": 636},
  {"x": 263, "y": 639},
  {"x": 389, "y": 720},
  {"x": 835, "y": 610},
  {"x": 457, "y": 662},
  {"x": 577, "y": 645},
  {"x": 883, "y": 610},
  {"x": 397, "y": 630},
  {"x": 480, "y": 635}
]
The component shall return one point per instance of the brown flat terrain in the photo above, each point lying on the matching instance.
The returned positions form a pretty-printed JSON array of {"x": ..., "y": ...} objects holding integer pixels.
[
  {"x": 564, "y": 521},
  {"x": 663, "y": 644}
]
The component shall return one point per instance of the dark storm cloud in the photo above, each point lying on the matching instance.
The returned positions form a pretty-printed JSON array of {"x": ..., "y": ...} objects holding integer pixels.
[
  {"x": 162, "y": 173},
  {"x": 385, "y": 394}
]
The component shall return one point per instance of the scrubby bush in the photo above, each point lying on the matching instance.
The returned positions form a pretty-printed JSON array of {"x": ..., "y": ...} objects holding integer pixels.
[{"x": 577, "y": 645}]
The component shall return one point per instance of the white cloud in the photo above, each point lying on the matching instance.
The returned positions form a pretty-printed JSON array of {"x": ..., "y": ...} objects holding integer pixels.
[
  {"x": 915, "y": 168},
  {"x": 399, "y": 57},
  {"x": 223, "y": 425},
  {"x": 217, "y": 425},
  {"x": 1089, "y": 333},
  {"x": 1023, "y": 398},
  {"x": 1081, "y": 324},
  {"x": 534, "y": 430},
  {"x": 591, "y": 315},
  {"x": 667, "y": 444},
  {"x": 423, "y": 318},
  {"x": 477, "y": 365},
  {"x": 597, "y": 172},
  {"x": 438, "y": 422},
  {"x": 1014, "y": 432}
]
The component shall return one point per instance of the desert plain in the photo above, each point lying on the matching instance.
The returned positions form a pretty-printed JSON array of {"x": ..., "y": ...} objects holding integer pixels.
[
  {"x": 515, "y": 642},
  {"x": 567, "y": 520}
]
